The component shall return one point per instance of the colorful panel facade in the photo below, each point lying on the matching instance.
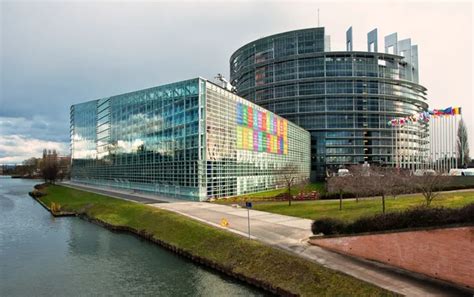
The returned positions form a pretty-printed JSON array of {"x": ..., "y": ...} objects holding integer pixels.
[{"x": 254, "y": 125}]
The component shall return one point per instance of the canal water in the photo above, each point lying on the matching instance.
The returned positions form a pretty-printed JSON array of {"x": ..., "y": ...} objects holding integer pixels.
[{"x": 45, "y": 256}]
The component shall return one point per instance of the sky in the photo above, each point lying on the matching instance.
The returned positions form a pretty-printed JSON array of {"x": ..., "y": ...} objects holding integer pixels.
[{"x": 55, "y": 54}]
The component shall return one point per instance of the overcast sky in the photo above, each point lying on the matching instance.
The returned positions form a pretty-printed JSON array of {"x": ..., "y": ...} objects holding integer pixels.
[{"x": 54, "y": 54}]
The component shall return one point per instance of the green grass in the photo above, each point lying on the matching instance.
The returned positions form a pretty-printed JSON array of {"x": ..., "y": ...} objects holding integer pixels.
[
  {"x": 248, "y": 257},
  {"x": 352, "y": 210},
  {"x": 269, "y": 195}
]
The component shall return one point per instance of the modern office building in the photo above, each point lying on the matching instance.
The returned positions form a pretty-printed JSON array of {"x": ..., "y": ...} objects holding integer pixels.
[
  {"x": 344, "y": 98},
  {"x": 192, "y": 139}
]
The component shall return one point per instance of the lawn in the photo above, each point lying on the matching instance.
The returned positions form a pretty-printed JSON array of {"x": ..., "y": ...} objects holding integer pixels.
[
  {"x": 270, "y": 195},
  {"x": 368, "y": 206},
  {"x": 238, "y": 254}
]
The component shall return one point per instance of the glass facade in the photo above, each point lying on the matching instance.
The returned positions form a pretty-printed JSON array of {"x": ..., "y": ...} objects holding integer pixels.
[
  {"x": 191, "y": 140},
  {"x": 345, "y": 99}
]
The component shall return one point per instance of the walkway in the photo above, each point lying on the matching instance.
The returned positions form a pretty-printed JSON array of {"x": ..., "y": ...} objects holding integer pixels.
[
  {"x": 121, "y": 194},
  {"x": 288, "y": 233},
  {"x": 291, "y": 234}
]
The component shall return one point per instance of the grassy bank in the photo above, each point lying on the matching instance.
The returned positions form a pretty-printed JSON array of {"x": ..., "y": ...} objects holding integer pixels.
[
  {"x": 237, "y": 255},
  {"x": 270, "y": 195},
  {"x": 368, "y": 206}
]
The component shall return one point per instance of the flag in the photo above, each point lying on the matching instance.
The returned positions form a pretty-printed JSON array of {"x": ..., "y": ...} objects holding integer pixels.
[
  {"x": 448, "y": 111},
  {"x": 457, "y": 110}
]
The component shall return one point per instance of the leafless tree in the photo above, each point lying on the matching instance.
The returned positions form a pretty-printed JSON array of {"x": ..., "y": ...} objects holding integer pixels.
[
  {"x": 31, "y": 165},
  {"x": 49, "y": 170},
  {"x": 358, "y": 177},
  {"x": 429, "y": 185},
  {"x": 384, "y": 181},
  {"x": 290, "y": 177},
  {"x": 463, "y": 144},
  {"x": 339, "y": 184}
]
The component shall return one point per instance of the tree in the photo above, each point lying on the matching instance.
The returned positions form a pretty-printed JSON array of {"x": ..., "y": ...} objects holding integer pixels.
[
  {"x": 384, "y": 181},
  {"x": 31, "y": 165},
  {"x": 290, "y": 177},
  {"x": 462, "y": 144},
  {"x": 339, "y": 184},
  {"x": 357, "y": 175},
  {"x": 429, "y": 185},
  {"x": 49, "y": 171}
]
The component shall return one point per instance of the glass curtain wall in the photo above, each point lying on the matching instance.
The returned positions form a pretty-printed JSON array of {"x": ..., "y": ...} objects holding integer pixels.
[{"x": 191, "y": 140}]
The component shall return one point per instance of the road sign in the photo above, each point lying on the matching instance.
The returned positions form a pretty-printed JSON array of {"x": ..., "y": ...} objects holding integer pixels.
[{"x": 248, "y": 204}]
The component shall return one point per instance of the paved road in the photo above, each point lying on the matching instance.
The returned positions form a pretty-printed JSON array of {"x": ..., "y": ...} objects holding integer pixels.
[
  {"x": 288, "y": 233},
  {"x": 121, "y": 194},
  {"x": 291, "y": 234}
]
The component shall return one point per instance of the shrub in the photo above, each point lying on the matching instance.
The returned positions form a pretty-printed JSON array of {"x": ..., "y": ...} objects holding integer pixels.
[
  {"x": 417, "y": 217},
  {"x": 40, "y": 186},
  {"x": 327, "y": 226},
  {"x": 55, "y": 207}
]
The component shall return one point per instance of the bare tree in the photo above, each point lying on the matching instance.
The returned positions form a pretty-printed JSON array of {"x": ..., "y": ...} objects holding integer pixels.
[
  {"x": 463, "y": 144},
  {"x": 290, "y": 178},
  {"x": 31, "y": 165},
  {"x": 339, "y": 184},
  {"x": 49, "y": 170},
  {"x": 429, "y": 185},
  {"x": 384, "y": 181},
  {"x": 356, "y": 180}
]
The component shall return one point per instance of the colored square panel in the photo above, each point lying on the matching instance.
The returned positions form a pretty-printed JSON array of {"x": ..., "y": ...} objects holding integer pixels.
[
  {"x": 239, "y": 137},
  {"x": 255, "y": 140},
  {"x": 275, "y": 126},
  {"x": 269, "y": 143},
  {"x": 244, "y": 116},
  {"x": 250, "y": 116},
  {"x": 255, "y": 120}
]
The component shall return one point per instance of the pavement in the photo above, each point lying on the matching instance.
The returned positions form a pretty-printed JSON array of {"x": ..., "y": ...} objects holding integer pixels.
[
  {"x": 290, "y": 234},
  {"x": 121, "y": 193}
]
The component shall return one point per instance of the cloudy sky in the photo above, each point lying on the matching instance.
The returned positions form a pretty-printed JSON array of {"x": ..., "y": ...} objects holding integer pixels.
[{"x": 54, "y": 54}]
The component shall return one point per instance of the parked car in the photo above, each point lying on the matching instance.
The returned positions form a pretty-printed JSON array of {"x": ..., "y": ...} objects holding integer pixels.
[{"x": 343, "y": 172}]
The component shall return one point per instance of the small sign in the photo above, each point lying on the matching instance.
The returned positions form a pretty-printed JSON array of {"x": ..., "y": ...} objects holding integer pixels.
[
  {"x": 248, "y": 204},
  {"x": 224, "y": 222}
]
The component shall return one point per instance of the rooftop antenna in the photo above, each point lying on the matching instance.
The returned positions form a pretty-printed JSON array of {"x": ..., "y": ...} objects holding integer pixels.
[{"x": 318, "y": 17}]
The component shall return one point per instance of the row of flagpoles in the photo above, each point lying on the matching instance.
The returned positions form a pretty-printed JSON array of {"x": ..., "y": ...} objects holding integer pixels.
[
  {"x": 424, "y": 116},
  {"x": 432, "y": 148}
]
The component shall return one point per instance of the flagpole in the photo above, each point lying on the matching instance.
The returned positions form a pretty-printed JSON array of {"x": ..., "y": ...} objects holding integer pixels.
[{"x": 455, "y": 142}]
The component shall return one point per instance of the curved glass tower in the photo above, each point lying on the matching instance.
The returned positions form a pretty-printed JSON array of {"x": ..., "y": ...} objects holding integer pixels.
[{"x": 344, "y": 98}]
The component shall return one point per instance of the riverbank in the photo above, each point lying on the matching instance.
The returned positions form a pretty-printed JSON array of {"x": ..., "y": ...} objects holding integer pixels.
[{"x": 269, "y": 268}]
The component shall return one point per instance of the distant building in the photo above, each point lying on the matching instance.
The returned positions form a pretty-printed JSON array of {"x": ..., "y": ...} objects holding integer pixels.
[
  {"x": 343, "y": 98},
  {"x": 191, "y": 139}
]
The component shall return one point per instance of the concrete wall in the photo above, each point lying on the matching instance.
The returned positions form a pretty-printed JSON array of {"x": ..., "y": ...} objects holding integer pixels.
[{"x": 446, "y": 254}]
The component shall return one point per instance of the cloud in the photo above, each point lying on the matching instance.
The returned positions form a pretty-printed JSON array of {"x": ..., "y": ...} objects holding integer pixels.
[
  {"x": 54, "y": 54},
  {"x": 22, "y": 138},
  {"x": 16, "y": 148},
  {"x": 49, "y": 129}
]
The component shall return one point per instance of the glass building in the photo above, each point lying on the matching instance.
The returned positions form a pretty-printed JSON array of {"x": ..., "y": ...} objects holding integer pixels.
[
  {"x": 192, "y": 140},
  {"x": 344, "y": 98}
]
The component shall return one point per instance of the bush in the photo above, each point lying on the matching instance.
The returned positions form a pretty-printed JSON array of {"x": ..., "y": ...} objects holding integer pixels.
[
  {"x": 55, "y": 207},
  {"x": 327, "y": 226},
  {"x": 40, "y": 186},
  {"x": 417, "y": 217}
]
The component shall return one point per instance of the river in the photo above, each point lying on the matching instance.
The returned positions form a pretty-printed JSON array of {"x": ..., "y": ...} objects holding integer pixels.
[{"x": 45, "y": 256}]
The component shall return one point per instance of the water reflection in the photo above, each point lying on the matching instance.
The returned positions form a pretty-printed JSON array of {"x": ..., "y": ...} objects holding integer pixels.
[{"x": 44, "y": 256}]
